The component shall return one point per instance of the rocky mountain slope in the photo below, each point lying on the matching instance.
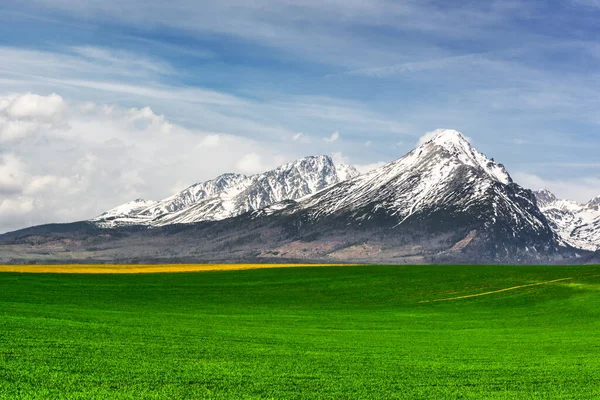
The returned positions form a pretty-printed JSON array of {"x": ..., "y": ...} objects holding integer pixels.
[
  {"x": 442, "y": 202},
  {"x": 576, "y": 223},
  {"x": 230, "y": 195},
  {"x": 443, "y": 188}
]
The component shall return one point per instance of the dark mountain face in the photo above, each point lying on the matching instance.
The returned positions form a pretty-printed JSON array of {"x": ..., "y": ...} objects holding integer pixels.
[
  {"x": 442, "y": 202},
  {"x": 442, "y": 192},
  {"x": 545, "y": 197},
  {"x": 594, "y": 203}
]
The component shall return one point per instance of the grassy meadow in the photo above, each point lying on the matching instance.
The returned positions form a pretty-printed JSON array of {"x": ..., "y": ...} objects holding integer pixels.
[{"x": 357, "y": 332}]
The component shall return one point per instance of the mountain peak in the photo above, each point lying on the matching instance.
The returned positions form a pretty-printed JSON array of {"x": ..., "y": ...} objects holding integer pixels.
[
  {"x": 595, "y": 202},
  {"x": 452, "y": 140},
  {"x": 447, "y": 136},
  {"x": 322, "y": 158},
  {"x": 457, "y": 146},
  {"x": 545, "y": 197}
]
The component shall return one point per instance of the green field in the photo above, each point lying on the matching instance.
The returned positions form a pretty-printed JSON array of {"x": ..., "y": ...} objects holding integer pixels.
[{"x": 303, "y": 333}]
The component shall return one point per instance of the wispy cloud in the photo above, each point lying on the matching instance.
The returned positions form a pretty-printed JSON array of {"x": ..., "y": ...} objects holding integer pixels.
[
  {"x": 333, "y": 137},
  {"x": 327, "y": 31},
  {"x": 436, "y": 64},
  {"x": 121, "y": 60}
]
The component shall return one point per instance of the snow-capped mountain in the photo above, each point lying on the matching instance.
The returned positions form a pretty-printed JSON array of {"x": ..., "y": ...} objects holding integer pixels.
[
  {"x": 420, "y": 179},
  {"x": 442, "y": 202},
  {"x": 595, "y": 202},
  {"x": 576, "y": 223},
  {"x": 443, "y": 185},
  {"x": 131, "y": 208},
  {"x": 230, "y": 195}
]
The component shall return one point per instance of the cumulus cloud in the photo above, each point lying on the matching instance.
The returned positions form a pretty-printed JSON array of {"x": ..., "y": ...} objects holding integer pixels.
[
  {"x": 11, "y": 174},
  {"x": 22, "y": 116},
  {"x": 33, "y": 106},
  {"x": 334, "y": 137},
  {"x": 145, "y": 116},
  {"x": 91, "y": 157},
  {"x": 13, "y": 130}
]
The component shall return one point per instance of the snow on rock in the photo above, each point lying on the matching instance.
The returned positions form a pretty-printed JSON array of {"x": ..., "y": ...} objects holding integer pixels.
[
  {"x": 128, "y": 209},
  {"x": 232, "y": 194},
  {"x": 576, "y": 223},
  {"x": 419, "y": 179},
  {"x": 455, "y": 143},
  {"x": 441, "y": 185},
  {"x": 445, "y": 177}
]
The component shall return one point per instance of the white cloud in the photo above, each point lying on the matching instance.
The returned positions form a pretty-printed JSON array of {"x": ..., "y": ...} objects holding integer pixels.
[
  {"x": 147, "y": 116},
  {"x": 11, "y": 174},
  {"x": 364, "y": 168},
  {"x": 408, "y": 67},
  {"x": 339, "y": 158},
  {"x": 13, "y": 130},
  {"x": 250, "y": 163},
  {"x": 39, "y": 184},
  {"x": 426, "y": 137},
  {"x": 15, "y": 207},
  {"x": 22, "y": 116},
  {"x": 90, "y": 86},
  {"x": 33, "y": 106},
  {"x": 334, "y": 137},
  {"x": 210, "y": 141},
  {"x": 300, "y": 138},
  {"x": 368, "y": 143},
  {"x": 580, "y": 189},
  {"x": 116, "y": 59}
]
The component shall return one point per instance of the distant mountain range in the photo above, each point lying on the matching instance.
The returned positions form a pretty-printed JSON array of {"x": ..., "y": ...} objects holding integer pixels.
[
  {"x": 577, "y": 224},
  {"x": 230, "y": 195},
  {"x": 442, "y": 202}
]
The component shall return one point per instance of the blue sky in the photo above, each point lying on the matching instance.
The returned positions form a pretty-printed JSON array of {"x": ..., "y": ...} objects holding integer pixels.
[{"x": 159, "y": 95}]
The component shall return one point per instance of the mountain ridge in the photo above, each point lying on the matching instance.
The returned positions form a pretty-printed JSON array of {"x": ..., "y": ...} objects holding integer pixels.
[
  {"x": 442, "y": 202},
  {"x": 578, "y": 224},
  {"x": 231, "y": 194}
]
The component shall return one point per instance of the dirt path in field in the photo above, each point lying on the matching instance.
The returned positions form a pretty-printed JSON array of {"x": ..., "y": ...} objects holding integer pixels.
[
  {"x": 495, "y": 291},
  {"x": 147, "y": 268}
]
